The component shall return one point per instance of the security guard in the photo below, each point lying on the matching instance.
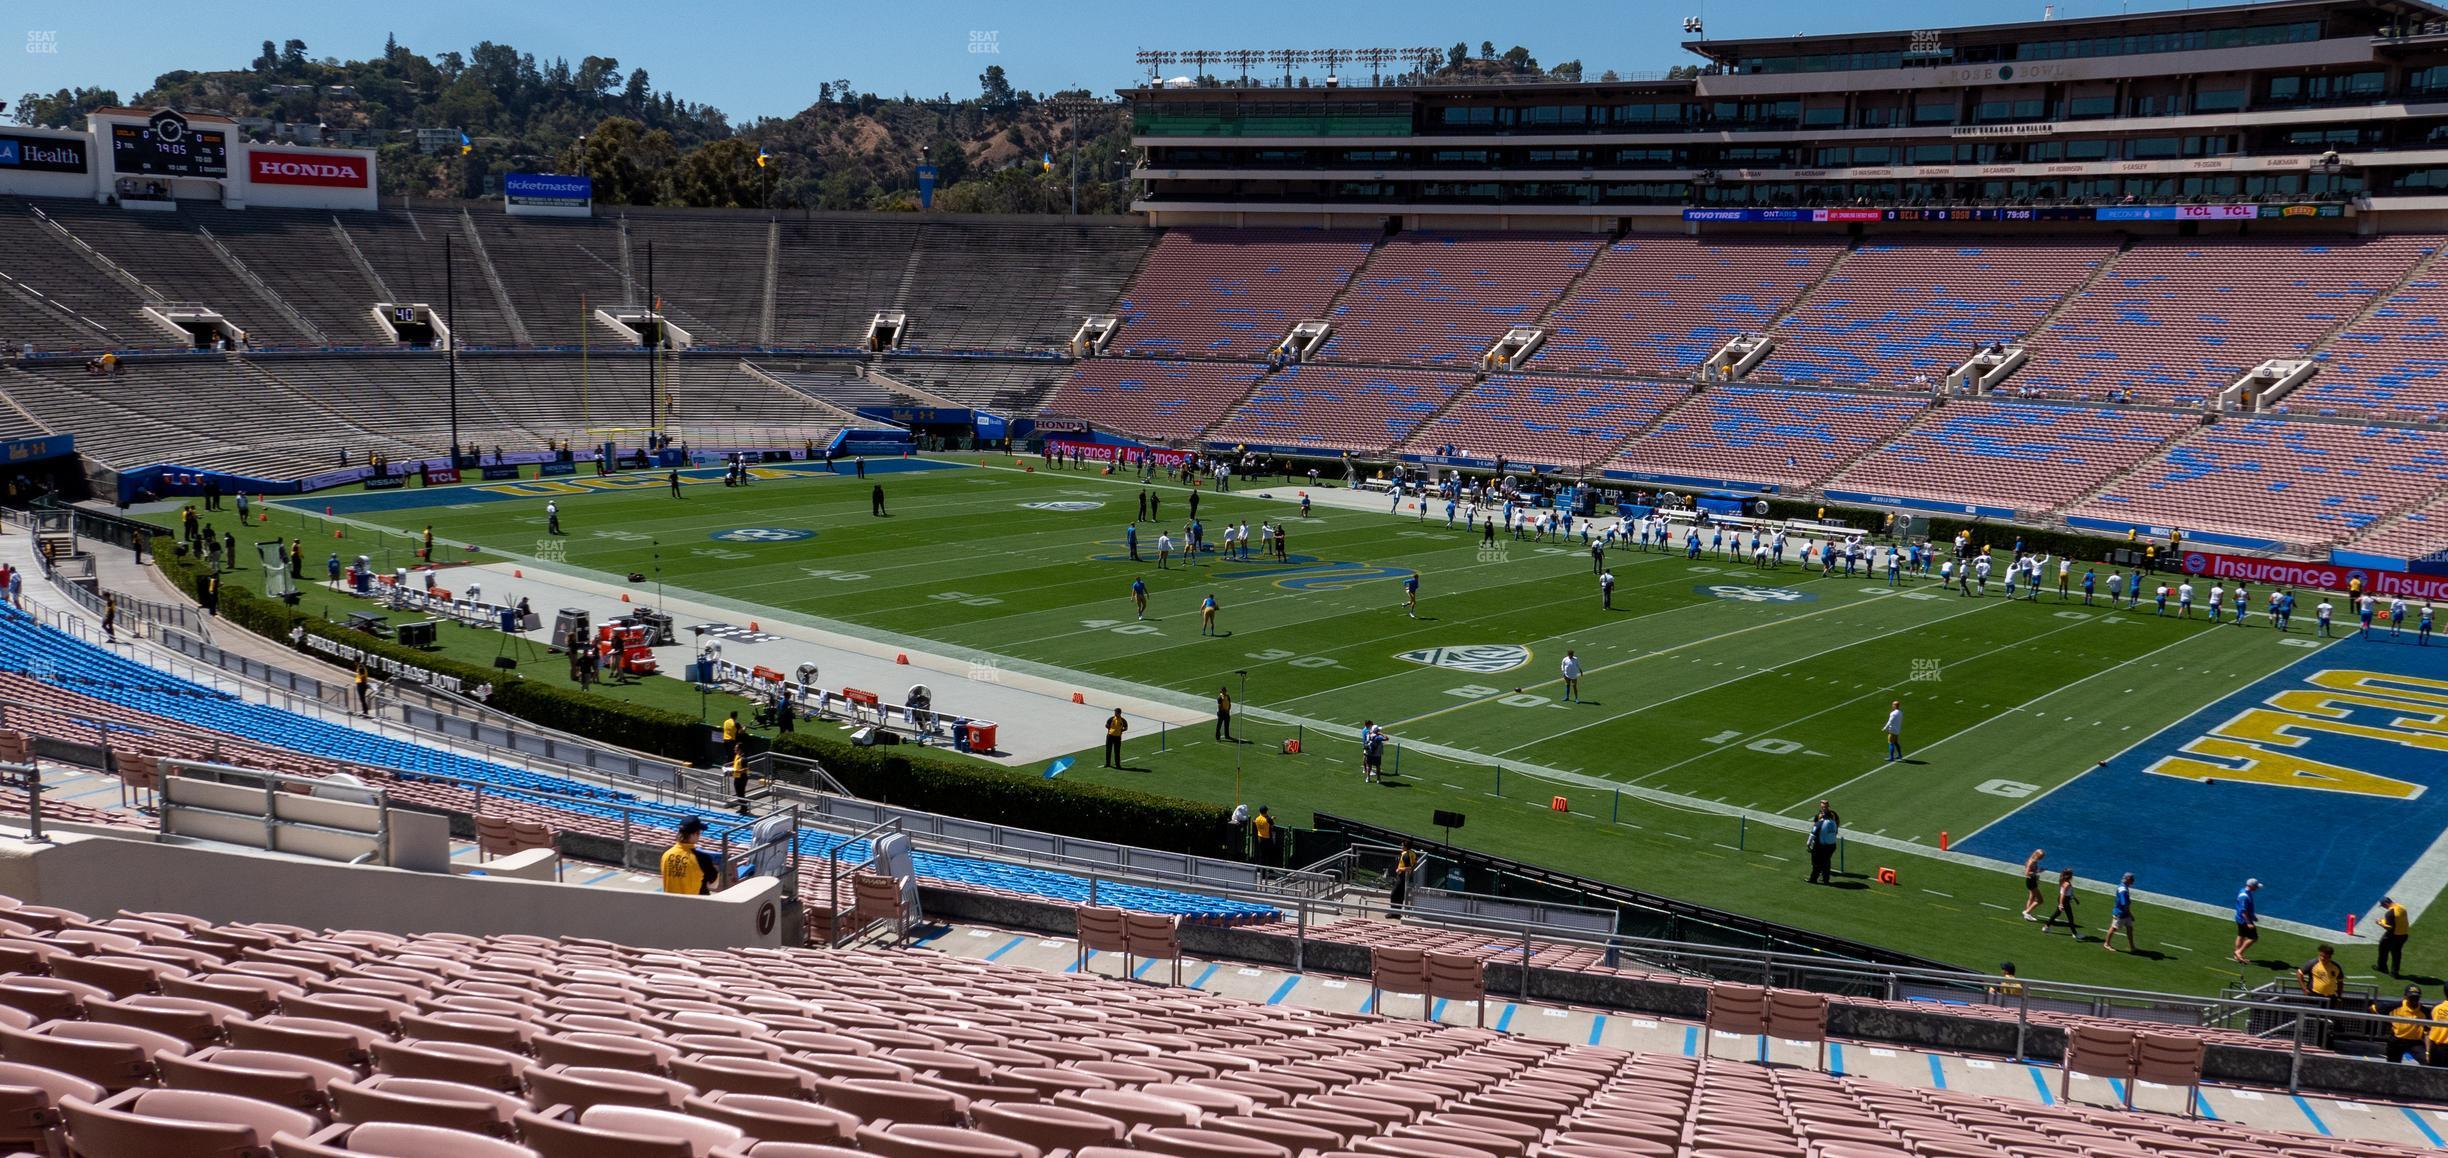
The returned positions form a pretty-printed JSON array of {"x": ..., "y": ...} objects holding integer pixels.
[
  {"x": 2406, "y": 1035},
  {"x": 2322, "y": 976},
  {"x": 2395, "y": 924}
]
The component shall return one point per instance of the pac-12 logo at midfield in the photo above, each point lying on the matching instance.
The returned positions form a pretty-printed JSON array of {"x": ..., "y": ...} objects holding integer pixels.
[
  {"x": 1743, "y": 593},
  {"x": 1062, "y": 505},
  {"x": 762, "y": 535},
  {"x": 1482, "y": 658}
]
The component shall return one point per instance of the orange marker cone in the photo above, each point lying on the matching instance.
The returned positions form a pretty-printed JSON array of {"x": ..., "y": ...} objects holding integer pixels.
[
  {"x": 624, "y": 597},
  {"x": 1942, "y": 840},
  {"x": 2350, "y": 924},
  {"x": 515, "y": 573},
  {"x": 752, "y": 626},
  {"x": 901, "y": 657},
  {"x": 1079, "y": 698}
]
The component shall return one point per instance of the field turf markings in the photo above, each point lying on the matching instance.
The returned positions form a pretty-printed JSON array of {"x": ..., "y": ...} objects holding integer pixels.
[
  {"x": 1885, "y": 766},
  {"x": 1612, "y": 717}
]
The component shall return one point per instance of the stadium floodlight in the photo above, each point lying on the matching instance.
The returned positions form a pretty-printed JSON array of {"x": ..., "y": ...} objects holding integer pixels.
[
  {"x": 1153, "y": 59},
  {"x": 1199, "y": 59},
  {"x": 1376, "y": 59},
  {"x": 1691, "y": 26},
  {"x": 1425, "y": 59},
  {"x": 1243, "y": 58},
  {"x": 1330, "y": 57},
  {"x": 1290, "y": 58}
]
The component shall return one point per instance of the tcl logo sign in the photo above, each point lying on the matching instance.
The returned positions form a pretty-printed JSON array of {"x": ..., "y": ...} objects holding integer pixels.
[{"x": 309, "y": 169}]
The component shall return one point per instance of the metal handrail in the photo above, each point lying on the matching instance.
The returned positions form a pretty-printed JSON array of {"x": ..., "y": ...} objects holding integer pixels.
[{"x": 834, "y": 870}]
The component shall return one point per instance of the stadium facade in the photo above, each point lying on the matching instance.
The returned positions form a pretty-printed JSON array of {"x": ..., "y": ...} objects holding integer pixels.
[{"x": 2317, "y": 111}]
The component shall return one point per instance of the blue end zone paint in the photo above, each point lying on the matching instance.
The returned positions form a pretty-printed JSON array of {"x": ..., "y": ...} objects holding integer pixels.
[
  {"x": 2202, "y": 1104},
  {"x": 2117, "y": 819},
  {"x": 1504, "y": 1021},
  {"x": 1836, "y": 1058},
  {"x": 1366, "y": 1007},
  {"x": 1691, "y": 1041},
  {"x": 1937, "y": 1073},
  {"x": 1436, "y": 1012},
  {"x": 1008, "y": 946},
  {"x": 2048, "y": 1097},
  {"x": 1284, "y": 990},
  {"x": 2429, "y": 1135},
  {"x": 2311, "y": 1117},
  {"x": 625, "y": 482},
  {"x": 1597, "y": 1027},
  {"x": 2117, "y": 1086},
  {"x": 1201, "y": 983}
]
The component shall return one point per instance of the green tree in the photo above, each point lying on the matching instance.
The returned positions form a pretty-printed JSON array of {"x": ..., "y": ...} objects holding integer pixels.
[
  {"x": 1457, "y": 54},
  {"x": 1568, "y": 70},
  {"x": 994, "y": 89},
  {"x": 64, "y": 109},
  {"x": 597, "y": 75},
  {"x": 269, "y": 60},
  {"x": 1519, "y": 61},
  {"x": 293, "y": 56},
  {"x": 720, "y": 175},
  {"x": 638, "y": 93},
  {"x": 1487, "y": 50}
]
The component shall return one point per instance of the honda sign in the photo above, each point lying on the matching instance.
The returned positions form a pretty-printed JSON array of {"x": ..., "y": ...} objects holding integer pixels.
[{"x": 328, "y": 170}]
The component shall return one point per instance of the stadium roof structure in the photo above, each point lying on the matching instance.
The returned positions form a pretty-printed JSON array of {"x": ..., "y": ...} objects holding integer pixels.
[{"x": 2382, "y": 12}]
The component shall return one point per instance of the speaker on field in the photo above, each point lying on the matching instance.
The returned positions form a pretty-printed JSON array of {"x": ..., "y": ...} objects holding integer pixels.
[{"x": 1447, "y": 820}]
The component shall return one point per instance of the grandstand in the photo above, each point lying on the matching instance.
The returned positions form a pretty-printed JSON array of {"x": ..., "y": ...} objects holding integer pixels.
[
  {"x": 2297, "y": 484},
  {"x": 1549, "y": 421},
  {"x": 1765, "y": 436},
  {"x": 1151, "y": 398},
  {"x": 1211, "y": 293},
  {"x": 1332, "y": 409},
  {"x": 1444, "y": 299},
  {"x": 1912, "y": 311},
  {"x": 2388, "y": 360},
  {"x": 2175, "y": 321},
  {"x": 2017, "y": 455},
  {"x": 1661, "y": 306}
]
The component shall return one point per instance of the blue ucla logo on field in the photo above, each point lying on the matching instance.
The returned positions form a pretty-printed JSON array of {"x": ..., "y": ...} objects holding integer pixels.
[
  {"x": 762, "y": 535},
  {"x": 1744, "y": 593}
]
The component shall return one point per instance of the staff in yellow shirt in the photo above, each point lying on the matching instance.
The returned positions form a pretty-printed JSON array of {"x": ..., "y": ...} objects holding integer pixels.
[
  {"x": 682, "y": 875},
  {"x": 2322, "y": 976},
  {"x": 2407, "y": 1033},
  {"x": 2395, "y": 925}
]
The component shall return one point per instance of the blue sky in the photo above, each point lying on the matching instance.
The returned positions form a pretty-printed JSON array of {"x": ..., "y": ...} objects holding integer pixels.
[{"x": 752, "y": 59}]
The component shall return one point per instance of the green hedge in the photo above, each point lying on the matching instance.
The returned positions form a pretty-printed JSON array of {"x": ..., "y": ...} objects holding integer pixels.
[
  {"x": 907, "y": 777},
  {"x": 913, "y": 778}
]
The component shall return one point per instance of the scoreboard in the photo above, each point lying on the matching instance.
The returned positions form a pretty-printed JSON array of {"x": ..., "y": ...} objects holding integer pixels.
[{"x": 166, "y": 146}]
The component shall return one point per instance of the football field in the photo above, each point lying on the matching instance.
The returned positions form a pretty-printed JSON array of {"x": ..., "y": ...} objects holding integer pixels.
[{"x": 1717, "y": 699}]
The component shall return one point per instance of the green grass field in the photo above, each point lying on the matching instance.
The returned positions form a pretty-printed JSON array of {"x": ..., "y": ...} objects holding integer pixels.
[{"x": 1711, "y": 689}]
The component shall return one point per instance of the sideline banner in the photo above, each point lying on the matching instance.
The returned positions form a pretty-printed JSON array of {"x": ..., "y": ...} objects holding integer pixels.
[
  {"x": 2326, "y": 576},
  {"x": 1106, "y": 452}
]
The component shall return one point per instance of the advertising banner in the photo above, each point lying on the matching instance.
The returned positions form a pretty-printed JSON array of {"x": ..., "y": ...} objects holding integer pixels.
[{"x": 2325, "y": 576}]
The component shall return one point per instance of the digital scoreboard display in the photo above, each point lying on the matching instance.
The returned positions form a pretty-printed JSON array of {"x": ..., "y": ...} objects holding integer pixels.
[{"x": 166, "y": 146}]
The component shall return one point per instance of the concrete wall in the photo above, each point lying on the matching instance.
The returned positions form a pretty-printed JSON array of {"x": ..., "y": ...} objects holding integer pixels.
[{"x": 99, "y": 875}]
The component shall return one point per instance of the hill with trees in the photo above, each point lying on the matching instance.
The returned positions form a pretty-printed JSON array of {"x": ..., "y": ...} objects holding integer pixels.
[{"x": 1001, "y": 150}]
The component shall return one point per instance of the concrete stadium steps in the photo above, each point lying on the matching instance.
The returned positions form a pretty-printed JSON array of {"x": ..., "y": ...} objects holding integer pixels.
[
  {"x": 85, "y": 311},
  {"x": 2390, "y": 358},
  {"x": 296, "y": 252},
  {"x": 1008, "y": 387},
  {"x": 406, "y": 247},
  {"x": 166, "y": 253},
  {"x": 1001, "y": 284}
]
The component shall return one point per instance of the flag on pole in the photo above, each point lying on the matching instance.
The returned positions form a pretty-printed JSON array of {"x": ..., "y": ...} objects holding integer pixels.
[
  {"x": 1048, "y": 163},
  {"x": 762, "y": 156},
  {"x": 466, "y": 146}
]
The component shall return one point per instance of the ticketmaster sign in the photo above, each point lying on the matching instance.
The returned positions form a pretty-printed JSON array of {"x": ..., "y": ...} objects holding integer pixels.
[{"x": 548, "y": 194}]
